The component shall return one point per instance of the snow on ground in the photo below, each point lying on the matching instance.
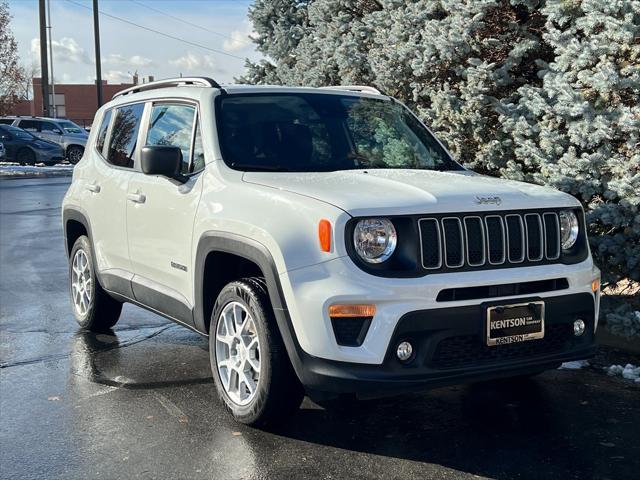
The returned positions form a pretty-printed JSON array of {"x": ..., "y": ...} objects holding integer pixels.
[
  {"x": 630, "y": 372},
  {"x": 8, "y": 169},
  {"x": 575, "y": 365}
]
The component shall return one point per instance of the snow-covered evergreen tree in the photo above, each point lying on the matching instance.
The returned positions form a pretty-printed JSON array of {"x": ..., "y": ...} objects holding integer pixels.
[{"x": 580, "y": 130}]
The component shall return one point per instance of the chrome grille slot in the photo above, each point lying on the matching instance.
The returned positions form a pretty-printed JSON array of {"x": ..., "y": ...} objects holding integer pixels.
[
  {"x": 430, "y": 244},
  {"x": 552, "y": 235},
  {"x": 495, "y": 239},
  {"x": 535, "y": 240},
  {"x": 474, "y": 235},
  {"x": 453, "y": 242},
  {"x": 515, "y": 238}
]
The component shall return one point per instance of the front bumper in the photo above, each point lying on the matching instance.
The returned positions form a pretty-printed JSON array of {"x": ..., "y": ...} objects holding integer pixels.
[
  {"x": 450, "y": 349},
  {"x": 52, "y": 156},
  {"x": 308, "y": 292}
]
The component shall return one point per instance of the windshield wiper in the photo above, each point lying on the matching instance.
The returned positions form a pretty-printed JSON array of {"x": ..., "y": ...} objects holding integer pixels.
[{"x": 258, "y": 168}]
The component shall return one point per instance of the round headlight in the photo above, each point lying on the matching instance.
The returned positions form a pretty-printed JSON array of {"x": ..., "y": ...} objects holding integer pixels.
[
  {"x": 568, "y": 229},
  {"x": 375, "y": 239}
]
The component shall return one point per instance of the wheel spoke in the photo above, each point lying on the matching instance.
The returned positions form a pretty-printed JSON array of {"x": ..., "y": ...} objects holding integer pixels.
[
  {"x": 237, "y": 318},
  {"x": 254, "y": 363},
  {"x": 226, "y": 339},
  {"x": 248, "y": 382}
]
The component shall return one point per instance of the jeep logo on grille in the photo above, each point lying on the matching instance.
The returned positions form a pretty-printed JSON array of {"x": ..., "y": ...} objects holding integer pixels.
[{"x": 488, "y": 200}]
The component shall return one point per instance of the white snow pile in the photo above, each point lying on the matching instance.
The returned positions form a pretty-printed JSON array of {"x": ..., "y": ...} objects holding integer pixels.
[
  {"x": 575, "y": 365},
  {"x": 630, "y": 372},
  {"x": 16, "y": 170}
]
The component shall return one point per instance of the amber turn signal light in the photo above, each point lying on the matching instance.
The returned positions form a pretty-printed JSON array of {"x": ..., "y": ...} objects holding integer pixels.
[
  {"x": 324, "y": 235},
  {"x": 595, "y": 285},
  {"x": 347, "y": 311}
]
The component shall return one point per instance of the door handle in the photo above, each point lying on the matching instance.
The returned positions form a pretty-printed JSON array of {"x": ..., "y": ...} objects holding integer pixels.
[
  {"x": 136, "y": 197},
  {"x": 93, "y": 187}
]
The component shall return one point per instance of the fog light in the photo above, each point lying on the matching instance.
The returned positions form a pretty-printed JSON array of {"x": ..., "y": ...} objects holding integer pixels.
[
  {"x": 404, "y": 351},
  {"x": 578, "y": 327}
]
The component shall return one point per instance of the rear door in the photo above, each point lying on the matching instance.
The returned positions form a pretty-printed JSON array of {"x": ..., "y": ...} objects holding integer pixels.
[
  {"x": 115, "y": 153},
  {"x": 161, "y": 213},
  {"x": 50, "y": 131}
]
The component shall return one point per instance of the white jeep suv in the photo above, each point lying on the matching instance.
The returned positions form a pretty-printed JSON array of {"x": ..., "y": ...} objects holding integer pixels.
[{"x": 325, "y": 242}]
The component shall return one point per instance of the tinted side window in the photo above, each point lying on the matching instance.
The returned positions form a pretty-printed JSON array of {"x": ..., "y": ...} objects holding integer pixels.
[
  {"x": 172, "y": 125},
  {"x": 30, "y": 125},
  {"x": 102, "y": 133},
  {"x": 6, "y": 121},
  {"x": 124, "y": 135},
  {"x": 49, "y": 127}
]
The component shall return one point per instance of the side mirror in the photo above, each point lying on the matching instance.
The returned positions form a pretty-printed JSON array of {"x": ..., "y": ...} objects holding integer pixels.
[{"x": 162, "y": 160}]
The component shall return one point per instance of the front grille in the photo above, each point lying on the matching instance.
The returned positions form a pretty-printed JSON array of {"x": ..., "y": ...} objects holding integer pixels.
[
  {"x": 494, "y": 239},
  {"x": 469, "y": 350}
]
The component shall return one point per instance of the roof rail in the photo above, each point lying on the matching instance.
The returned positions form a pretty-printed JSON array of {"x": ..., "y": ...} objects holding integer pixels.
[
  {"x": 355, "y": 88},
  {"x": 169, "y": 82}
]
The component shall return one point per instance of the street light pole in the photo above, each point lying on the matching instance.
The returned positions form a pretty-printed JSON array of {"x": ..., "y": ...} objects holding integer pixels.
[
  {"x": 44, "y": 64},
  {"x": 96, "y": 34}
]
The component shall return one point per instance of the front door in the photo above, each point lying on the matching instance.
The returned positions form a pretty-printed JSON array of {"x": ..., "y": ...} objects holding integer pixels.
[{"x": 161, "y": 213}]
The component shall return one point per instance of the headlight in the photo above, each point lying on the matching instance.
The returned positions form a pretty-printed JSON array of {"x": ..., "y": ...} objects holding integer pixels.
[
  {"x": 568, "y": 229},
  {"x": 375, "y": 239}
]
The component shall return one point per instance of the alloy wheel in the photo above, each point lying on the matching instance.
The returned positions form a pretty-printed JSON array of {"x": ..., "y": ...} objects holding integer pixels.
[
  {"x": 81, "y": 282},
  {"x": 238, "y": 353}
]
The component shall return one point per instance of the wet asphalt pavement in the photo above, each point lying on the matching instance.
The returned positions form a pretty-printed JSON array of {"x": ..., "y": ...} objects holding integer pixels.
[{"x": 140, "y": 403}]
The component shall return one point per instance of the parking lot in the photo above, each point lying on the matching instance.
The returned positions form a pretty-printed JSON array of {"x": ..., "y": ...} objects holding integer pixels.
[{"x": 140, "y": 403}]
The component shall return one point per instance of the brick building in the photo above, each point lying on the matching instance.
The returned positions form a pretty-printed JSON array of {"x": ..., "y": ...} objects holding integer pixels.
[{"x": 73, "y": 101}]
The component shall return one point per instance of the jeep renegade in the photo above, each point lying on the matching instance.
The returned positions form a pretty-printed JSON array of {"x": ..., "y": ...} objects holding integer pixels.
[{"x": 324, "y": 241}]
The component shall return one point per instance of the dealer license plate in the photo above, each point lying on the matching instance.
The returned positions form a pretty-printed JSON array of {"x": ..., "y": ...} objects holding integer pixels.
[{"x": 515, "y": 323}]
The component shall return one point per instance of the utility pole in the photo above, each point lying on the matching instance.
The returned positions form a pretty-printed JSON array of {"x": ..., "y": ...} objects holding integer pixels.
[
  {"x": 96, "y": 34},
  {"x": 54, "y": 110},
  {"x": 44, "y": 64}
]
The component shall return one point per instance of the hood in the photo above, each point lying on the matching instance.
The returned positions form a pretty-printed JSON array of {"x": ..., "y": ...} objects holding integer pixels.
[{"x": 405, "y": 192}]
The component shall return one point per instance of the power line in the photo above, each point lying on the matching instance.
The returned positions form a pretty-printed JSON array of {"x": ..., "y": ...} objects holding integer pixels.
[
  {"x": 182, "y": 20},
  {"x": 204, "y": 47}
]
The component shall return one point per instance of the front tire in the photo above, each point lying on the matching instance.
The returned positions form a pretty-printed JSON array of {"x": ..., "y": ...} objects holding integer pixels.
[
  {"x": 74, "y": 154},
  {"x": 251, "y": 369},
  {"x": 93, "y": 308},
  {"x": 26, "y": 157}
]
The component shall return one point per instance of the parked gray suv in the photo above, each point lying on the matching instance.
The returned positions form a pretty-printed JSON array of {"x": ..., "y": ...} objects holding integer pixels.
[{"x": 70, "y": 136}]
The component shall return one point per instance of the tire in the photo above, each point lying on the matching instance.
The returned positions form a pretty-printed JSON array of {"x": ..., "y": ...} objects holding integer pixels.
[
  {"x": 93, "y": 308},
  {"x": 74, "y": 154},
  {"x": 26, "y": 157},
  {"x": 277, "y": 392}
]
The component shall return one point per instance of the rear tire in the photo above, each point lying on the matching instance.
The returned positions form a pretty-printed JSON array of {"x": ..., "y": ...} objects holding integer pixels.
[
  {"x": 93, "y": 308},
  {"x": 244, "y": 335},
  {"x": 26, "y": 157}
]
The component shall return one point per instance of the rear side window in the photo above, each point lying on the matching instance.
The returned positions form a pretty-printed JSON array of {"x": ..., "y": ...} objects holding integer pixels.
[
  {"x": 102, "y": 133},
  {"x": 172, "y": 125},
  {"x": 6, "y": 121},
  {"x": 30, "y": 125},
  {"x": 124, "y": 135}
]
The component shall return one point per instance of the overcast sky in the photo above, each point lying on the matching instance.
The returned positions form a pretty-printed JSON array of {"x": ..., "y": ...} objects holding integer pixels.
[{"x": 221, "y": 26}]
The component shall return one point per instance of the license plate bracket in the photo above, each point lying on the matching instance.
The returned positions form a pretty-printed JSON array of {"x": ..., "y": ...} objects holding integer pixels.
[{"x": 514, "y": 323}]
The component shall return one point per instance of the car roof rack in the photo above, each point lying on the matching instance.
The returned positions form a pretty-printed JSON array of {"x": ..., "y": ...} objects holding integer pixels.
[
  {"x": 355, "y": 88},
  {"x": 170, "y": 82}
]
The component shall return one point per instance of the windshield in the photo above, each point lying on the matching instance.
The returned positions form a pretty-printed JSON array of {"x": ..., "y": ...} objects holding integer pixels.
[
  {"x": 71, "y": 127},
  {"x": 309, "y": 132},
  {"x": 19, "y": 133}
]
